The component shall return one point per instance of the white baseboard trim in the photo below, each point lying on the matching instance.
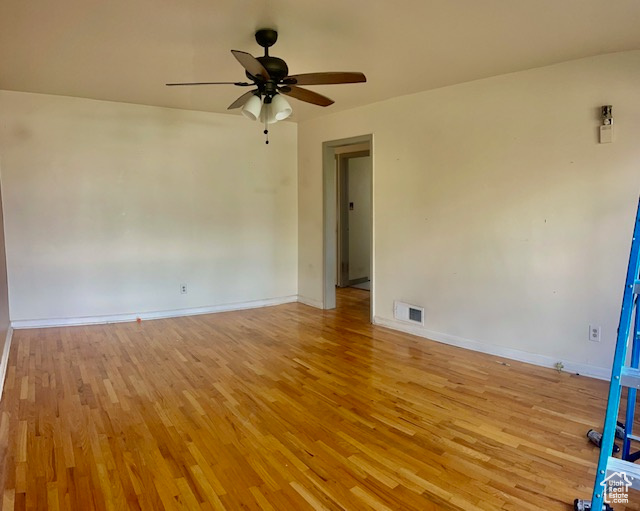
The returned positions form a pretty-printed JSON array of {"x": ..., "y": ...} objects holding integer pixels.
[
  {"x": 123, "y": 318},
  {"x": 4, "y": 361},
  {"x": 311, "y": 302},
  {"x": 492, "y": 349}
]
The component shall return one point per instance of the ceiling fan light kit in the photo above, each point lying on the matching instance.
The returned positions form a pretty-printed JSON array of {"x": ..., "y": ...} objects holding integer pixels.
[
  {"x": 270, "y": 76},
  {"x": 281, "y": 108},
  {"x": 267, "y": 116},
  {"x": 251, "y": 109}
]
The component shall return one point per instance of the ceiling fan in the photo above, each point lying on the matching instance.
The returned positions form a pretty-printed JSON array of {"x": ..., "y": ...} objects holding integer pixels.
[{"x": 270, "y": 77}]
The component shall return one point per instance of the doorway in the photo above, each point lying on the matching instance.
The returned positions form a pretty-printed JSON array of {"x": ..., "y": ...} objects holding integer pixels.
[
  {"x": 348, "y": 217},
  {"x": 354, "y": 217}
]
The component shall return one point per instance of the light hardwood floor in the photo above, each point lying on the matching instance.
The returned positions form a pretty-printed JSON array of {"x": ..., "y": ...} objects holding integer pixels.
[{"x": 286, "y": 408}]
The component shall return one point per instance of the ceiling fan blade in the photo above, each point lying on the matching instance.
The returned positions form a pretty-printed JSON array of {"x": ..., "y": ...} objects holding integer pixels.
[
  {"x": 251, "y": 64},
  {"x": 307, "y": 95},
  {"x": 241, "y": 100},
  {"x": 239, "y": 84},
  {"x": 328, "y": 78}
]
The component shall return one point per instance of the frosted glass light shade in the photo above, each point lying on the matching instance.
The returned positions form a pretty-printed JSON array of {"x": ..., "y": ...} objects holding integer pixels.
[
  {"x": 251, "y": 109},
  {"x": 268, "y": 114},
  {"x": 281, "y": 107}
]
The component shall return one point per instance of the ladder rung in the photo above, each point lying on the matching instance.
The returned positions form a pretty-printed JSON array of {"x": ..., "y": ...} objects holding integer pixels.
[
  {"x": 631, "y": 470},
  {"x": 636, "y": 287},
  {"x": 634, "y": 437},
  {"x": 630, "y": 377}
]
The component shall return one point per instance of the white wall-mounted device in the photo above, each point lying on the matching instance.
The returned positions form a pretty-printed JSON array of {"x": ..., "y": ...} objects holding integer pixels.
[{"x": 606, "y": 130}]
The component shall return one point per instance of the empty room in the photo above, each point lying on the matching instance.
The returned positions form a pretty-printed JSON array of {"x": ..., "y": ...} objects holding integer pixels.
[{"x": 288, "y": 256}]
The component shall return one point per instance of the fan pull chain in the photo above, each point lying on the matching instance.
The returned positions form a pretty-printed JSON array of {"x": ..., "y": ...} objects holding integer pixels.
[{"x": 266, "y": 117}]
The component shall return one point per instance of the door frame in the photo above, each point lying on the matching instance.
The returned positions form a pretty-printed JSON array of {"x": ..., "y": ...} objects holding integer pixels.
[{"x": 330, "y": 214}]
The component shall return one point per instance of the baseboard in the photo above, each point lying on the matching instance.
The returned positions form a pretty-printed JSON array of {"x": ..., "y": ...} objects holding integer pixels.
[
  {"x": 4, "y": 361},
  {"x": 492, "y": 349},
  {"x": 123, "y": 318},
  {"x": 311, "y": 302}
]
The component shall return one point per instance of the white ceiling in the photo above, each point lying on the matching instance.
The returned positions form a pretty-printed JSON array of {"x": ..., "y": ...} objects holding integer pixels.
[{"x": 126, "y": 50}]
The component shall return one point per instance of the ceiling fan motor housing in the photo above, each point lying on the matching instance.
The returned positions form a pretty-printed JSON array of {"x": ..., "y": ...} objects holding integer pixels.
[{"x": 277, "y": 68}]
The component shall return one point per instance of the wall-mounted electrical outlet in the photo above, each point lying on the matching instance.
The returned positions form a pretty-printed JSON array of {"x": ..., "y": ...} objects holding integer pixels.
[
  {"x": 183, "y": 289},
  {"x": 594, "y": 333}
]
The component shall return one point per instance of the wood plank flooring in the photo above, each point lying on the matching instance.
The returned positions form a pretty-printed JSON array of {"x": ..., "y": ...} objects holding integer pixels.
[{"x": 286, "y": 408}]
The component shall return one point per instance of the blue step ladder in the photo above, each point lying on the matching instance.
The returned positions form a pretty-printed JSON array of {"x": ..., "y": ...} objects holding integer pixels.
[{"x": 622, "y": 375}]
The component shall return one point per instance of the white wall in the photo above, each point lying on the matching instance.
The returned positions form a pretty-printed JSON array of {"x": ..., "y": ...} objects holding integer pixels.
[
  {"x": 495, "y": 207},
  {"x": 109, "y": 207},
  {"x": 359, "y": 188}
]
